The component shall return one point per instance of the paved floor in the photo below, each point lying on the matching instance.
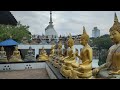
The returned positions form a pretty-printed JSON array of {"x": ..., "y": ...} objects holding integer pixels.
[{"x": 25, "y": 74}]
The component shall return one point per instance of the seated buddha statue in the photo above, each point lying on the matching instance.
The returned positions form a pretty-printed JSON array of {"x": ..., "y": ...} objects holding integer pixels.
[
  {"x": 52, "y": 52},
  {"x": 3, "y": 57},
  {"x": 30, "y": 55},
  {"x": 66, "y": 62},
  {"x": 43, "y": 55},
  {"x": 111, "y": 69},
  {"x": 83, "y": 70},
  {"x": 16, "y": 57},
  {"x": 59, "y": 55}
]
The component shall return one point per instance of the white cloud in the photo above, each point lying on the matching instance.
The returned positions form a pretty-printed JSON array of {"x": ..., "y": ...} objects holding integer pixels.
[{"x": 67, "y": 21}]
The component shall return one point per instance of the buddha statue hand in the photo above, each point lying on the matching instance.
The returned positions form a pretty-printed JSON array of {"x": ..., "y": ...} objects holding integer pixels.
[
  {"x": 114, "y": 72},
  {"x": 95, "y": 71},
  {"x": 111, "y": 76},
  {"x": 76, "y": 54},
  {"x": 79, "y": 68}
]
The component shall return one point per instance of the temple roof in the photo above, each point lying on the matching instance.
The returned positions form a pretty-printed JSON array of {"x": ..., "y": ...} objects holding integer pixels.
[{"x": 7, "y": 18}]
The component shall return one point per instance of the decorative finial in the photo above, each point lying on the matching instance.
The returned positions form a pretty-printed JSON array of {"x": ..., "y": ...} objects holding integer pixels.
[
  {"x": 50, "y": 17},
  {"x": 70, "y": 35},
  {"x": 115, "y": 18},
  {"x": 116, "y": 24},
  {"x": 84, "y": 31},
  {"x": 84, "y": 36}
]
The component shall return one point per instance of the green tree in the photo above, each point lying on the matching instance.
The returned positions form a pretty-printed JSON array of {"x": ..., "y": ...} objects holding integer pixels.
[
  {"x": 102, "y": 43},
  {"x": 17, "y": 32}
]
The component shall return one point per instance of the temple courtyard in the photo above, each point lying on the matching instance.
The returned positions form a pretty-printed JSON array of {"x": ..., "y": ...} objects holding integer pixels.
[{"x": 25, "y": 74}]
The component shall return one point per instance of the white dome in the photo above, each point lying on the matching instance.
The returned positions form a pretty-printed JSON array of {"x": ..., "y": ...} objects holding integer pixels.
[{"x": 50, "y": 31}]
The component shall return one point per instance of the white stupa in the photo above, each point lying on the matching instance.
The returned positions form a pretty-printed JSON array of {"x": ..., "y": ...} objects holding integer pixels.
[{"x": 50, "y": 31}]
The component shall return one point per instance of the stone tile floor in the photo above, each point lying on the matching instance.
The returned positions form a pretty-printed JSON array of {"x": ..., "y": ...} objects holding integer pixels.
[{"x": 25, "y": 74}]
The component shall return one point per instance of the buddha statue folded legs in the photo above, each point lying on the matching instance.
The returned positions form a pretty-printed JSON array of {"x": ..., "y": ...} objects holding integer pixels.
[{"x": 82, "y": 71}]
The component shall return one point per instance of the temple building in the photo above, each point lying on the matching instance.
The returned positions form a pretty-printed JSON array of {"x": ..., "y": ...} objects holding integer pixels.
[{"x": 50, "y": 31}]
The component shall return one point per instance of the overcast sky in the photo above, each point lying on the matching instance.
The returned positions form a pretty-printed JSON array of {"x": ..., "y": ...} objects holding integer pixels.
[{"x": 66, "y": 22}]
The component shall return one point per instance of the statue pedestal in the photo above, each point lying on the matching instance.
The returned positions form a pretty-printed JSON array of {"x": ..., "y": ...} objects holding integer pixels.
[
  {"x": 29, "y": 59},
  {"x": 104, "y": 74},
  {"x": 3, "y": 60},
  {"x": 56, "y": 71}
]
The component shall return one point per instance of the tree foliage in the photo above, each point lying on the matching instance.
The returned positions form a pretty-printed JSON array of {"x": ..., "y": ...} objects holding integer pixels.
[
  {"x": 102, "y": 44},
  {"x": 17, "y": 32}
]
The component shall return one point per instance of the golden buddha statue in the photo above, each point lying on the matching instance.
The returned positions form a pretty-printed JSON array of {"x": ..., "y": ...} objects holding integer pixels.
[
  {"x": 16, "y": 57},
  {"x": 3, "y": 57},
  {"x": 111, "y": 69},
  {"x": 84, "y": 70},
  {"x": 70, "y": 53},
  {"x": 43, "y": 55},
  {"x": 59, "y": 55},
  {"x": 66, "y": 62},
  {"x": 52, "y": 53}
]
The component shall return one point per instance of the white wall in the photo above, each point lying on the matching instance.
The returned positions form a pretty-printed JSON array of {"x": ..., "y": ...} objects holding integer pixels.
[{"x": 37, "y": 47}]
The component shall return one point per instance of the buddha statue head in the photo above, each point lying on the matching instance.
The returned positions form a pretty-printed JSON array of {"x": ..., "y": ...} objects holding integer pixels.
[
  {"x": 70, "y": 52},
  {"x": 60, "y": 45},
  {"x": 30, "y": 48},
  {"x": 70, "y": 41},
  {"x": 2, "y": 48},
  {"x": 115, "y": 31},
  {"x": 84, "y": 37},
  {"x": 16, "y": 48}
]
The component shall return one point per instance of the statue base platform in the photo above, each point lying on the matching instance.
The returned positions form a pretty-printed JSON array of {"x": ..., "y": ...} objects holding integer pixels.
[
  {"x": 56, "y": 71},
  {"x": 104, "y": 74},
  {"x": 3, "y": 60},
  {"x": 29, "y": 58}
]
